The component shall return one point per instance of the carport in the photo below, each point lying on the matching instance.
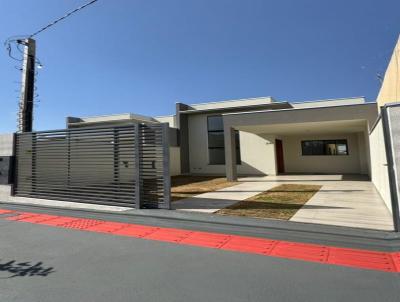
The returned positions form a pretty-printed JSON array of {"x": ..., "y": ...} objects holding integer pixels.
[
  {"x": 317, "y": 140},
  {"x": 340, "y": 162}
]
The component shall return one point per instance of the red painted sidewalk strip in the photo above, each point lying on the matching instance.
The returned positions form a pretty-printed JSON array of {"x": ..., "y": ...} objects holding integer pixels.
[{"x": 365, "y": 259}]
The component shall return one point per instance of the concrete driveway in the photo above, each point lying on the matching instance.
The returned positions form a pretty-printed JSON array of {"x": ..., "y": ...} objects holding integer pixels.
[
  {"x": 349, "y": 201},
  {"x": 344, "y": 200}
]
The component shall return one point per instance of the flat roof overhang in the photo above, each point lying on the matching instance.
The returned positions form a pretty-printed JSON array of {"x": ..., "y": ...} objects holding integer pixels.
[
  {"x": 336, "y": 119},
  {"x": 251, "y": 108}
]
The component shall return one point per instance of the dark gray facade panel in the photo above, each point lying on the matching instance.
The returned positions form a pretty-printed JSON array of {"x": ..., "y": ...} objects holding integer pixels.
[
  {"x": 6, "y": 163},
  {"x": 183, "y": 138},
  {"x": 173, "y": 134}
]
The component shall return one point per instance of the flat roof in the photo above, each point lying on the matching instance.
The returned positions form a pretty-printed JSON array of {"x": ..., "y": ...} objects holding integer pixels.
[
  {"x": 238, "y": 108},
  {"x": 298, "y": 109}
]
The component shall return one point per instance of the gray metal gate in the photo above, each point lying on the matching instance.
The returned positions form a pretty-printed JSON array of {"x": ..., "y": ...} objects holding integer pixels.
[{"x": 124, "y": 166}]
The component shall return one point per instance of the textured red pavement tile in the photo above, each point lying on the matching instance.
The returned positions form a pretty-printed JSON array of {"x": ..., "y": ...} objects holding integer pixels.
[
  {"x": 137, "y": 231},
  {"x": 396, "y": 260},
  {"x": 362, "y": 259},
  {"x": 300, "y": 251},
  {"x": 58, "y": 221},
  {"x": 203, "y": 239},
  {"x": 107, "y": 227},
  {"x": 21, "y": 216},
  {"x": 169, "y": 235},
  {"x": 5, "y": 211},
  {"x": 81, "y": 224},
  {"x": 38, "y": 218},
  {"x": 249, "y": 245}
]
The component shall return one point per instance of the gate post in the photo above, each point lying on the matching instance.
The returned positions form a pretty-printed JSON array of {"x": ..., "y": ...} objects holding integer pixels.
[
  {"x": 13, "y": 166},
  {"x": 166, "y": 172},
  {"x": 138, "y": 186},
  {"x": 34, "y": 167},
  {"x": 393, "y": 185}
]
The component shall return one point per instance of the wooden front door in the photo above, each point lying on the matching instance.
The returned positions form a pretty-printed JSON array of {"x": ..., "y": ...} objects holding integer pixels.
[{"x": 279, "y": 156}]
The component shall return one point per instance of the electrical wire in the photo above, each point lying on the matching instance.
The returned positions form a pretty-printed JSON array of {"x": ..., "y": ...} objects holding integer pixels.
[
  {"x": 62, "y": 18},
  {"x": 19, "y": 38}
]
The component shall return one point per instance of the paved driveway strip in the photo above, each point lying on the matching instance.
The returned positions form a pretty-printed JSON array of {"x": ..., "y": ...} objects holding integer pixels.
[
  {"x": 213, "y": 201},
  {"x": 343, "y": 200},
  {"x": 372, "y": 260}
]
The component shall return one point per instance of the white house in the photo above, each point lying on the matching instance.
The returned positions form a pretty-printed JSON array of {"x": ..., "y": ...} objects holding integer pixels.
[{"x": 264, "y": 136}]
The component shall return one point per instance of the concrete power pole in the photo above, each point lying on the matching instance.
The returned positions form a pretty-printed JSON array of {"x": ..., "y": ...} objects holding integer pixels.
[{"x": 25, "y": 114}]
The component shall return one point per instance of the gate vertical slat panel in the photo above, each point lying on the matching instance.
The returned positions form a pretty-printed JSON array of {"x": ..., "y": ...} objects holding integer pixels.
[
  {"x": 154, "y": 160},
  {"x": 166, "y": 172},
  {"x": 138, "y": 181}
]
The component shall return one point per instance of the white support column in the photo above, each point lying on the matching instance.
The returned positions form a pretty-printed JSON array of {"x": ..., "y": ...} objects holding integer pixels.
[{"x": 230, "y": 154}]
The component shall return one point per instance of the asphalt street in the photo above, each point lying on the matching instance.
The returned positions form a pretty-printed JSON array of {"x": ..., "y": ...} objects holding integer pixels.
[{"x": 47, "y": 264}]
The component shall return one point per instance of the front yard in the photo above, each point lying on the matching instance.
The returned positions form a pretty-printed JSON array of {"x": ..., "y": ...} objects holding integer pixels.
[
  {"x": 183, "y": 186},
  {"x": 280, "y": 202}
]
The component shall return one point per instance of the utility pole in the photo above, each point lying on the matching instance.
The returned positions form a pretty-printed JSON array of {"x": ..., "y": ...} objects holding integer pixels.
[{"x": 25, "y": 114}]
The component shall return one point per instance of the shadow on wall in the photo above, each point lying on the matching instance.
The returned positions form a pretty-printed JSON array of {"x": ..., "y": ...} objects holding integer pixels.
[
  {"x": 244, "y": 169},
  {"x": 25, "y": 269},
  {"x": 247, "y": 169}
]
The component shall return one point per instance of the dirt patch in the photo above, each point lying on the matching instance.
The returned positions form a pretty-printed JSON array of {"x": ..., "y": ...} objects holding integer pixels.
[
  {"x": 280, "y": 202},
  {"x": 188, "y": 186}
]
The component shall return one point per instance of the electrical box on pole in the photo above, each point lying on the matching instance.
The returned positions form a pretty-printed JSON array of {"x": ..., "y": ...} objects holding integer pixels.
[{"x": 25, "y": 114}]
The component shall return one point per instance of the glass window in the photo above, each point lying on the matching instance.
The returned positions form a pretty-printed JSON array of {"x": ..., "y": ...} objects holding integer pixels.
[
  {"x": 341, "y": 147},
  {"x": 325, "y": 147},
  {"x": 307, "y": 148},
  {"x": 215, "y": 123},
  {"x": 216, "y": 147},
  {"x": 217, "y": 156},
  {"x": 216, "y": 139}
]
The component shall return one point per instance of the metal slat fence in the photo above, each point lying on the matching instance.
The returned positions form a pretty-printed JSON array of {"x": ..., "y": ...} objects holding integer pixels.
[{"x": 124, "y": 166}]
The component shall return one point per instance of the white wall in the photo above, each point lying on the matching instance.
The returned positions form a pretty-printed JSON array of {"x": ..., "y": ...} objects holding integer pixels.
[
  {"x": 379, "y": 169},
  {"x": 6, "y": 144},
  {"x": 170, "y": 119},
  {"x": 174, "y": 161},
  {"x": 328, "y": 103},
  {"x": 257, "y": 151},
  {"x": 363, "y": 153},
  {"x": 232, "y": 103},
  {"x": 295, "y": 162}
]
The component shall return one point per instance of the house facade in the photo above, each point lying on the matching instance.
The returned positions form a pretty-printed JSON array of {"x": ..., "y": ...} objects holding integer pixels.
[{"x": 263, "y": 136}]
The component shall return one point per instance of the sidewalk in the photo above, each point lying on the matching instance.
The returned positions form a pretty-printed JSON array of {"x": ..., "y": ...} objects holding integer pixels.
[{"x": 5, "y": 191}]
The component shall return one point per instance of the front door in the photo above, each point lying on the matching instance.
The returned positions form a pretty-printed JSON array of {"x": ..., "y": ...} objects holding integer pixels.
[{"x": 279, "y": 156}]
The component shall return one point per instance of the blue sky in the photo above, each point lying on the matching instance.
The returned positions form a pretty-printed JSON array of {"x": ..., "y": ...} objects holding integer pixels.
[{"x": 143, "y": 56}]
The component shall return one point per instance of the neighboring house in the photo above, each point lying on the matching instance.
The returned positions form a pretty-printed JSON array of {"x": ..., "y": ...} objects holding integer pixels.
[
  {"x": 262, "y": 136},
  {"x": 390, "y": 89}
]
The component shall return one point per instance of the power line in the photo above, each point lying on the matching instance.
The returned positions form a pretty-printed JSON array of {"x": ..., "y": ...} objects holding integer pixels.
[
  {"x": 20, "y": 38},
  {"x": 62, "y": 18}
]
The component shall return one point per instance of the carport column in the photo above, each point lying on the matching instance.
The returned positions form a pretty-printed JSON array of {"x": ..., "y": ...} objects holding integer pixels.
[{"x": 230, "y": 154}]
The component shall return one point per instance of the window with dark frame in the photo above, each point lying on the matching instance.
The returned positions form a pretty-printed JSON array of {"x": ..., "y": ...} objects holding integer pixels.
[
  {"x": 216, "y": 147},
  {"x": 325, "y": 147}
]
